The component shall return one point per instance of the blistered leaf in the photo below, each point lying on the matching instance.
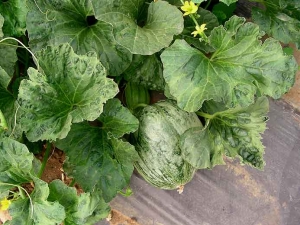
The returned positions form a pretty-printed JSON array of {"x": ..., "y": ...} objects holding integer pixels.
[
  {"x": 67, "y": 89},
  {"x": 146, "y": 71},
  {"x": 76, "y": 24},
  {"x": 117, "y": 119},
  {"x": 36, "y": 210},
  {"x": 14, "y": 13},
  {"x": 232, "y": 133},
  {"x": 280, "y": 19},
  {"x": 162, "y": 23},
  {"x": 96, "y": 161},
  {"x": 87, "y": 208},
  {"x": 240, "y": 68},
  {"x": 15, "y": 164}
]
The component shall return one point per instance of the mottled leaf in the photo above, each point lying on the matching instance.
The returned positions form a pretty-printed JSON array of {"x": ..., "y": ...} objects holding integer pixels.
[
  {"x": 146, "y": 71},
  {"x": 67, "y": 89},
  {"x": 232, "y": 133},
  {"x": 240, "y": 68}
]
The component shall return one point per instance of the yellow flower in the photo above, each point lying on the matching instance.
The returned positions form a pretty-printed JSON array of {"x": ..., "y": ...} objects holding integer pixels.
[
  {"x": 189, "y": 8},
  {"x": 199, "y": 30},
  {"x": 4, "y": 204}
]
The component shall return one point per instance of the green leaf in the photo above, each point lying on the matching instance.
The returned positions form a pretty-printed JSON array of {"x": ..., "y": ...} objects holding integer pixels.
[
  {"x": 162, "y": 23},
  {"x": 75, "y": 23},
  {"x": 15, "y": 164},
  {"x": 280, "y": 19},
  {"x": 234, "y": 132},
  {"x": 68, "y": 89},
  {"x": 223, "y": 11},
  {"x": 14, "y": 13},
  {"x": 196, "y": 152},
  {"x": 1, "y": 25},
  {"x": 36, "y": 210},
  {"x": 199, "y": 1},
  {"x": 240, "y": 68},
  {"x": 97, "y": 161},
  {"x": 9, "y": 106},
  {"x": 3, "y": 123},
  {"x": 117, "y": 119},
  {"x": 288, "y": 51},
  {"x": 206, "y": 17},
  {"x": 88, "y": 208},
  {"x": 146, "y": 71},
  {"x": 8, "y": 51},
  {"x": 228, "y": 2},
  {"x": 177, "y": 3}
]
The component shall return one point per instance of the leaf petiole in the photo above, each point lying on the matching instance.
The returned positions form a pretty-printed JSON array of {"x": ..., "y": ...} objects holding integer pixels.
[
  {"x": 205, "y": 115},
  {"x": 45, "y": 159}
]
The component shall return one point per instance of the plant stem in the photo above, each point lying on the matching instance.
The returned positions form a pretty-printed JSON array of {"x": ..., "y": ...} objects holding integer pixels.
[
  {"x": 45, "y": 159},
  {"x": 72, "y": 183},
  {"x": 205, "y": 115},
  {"x": 194, "y": 19}
]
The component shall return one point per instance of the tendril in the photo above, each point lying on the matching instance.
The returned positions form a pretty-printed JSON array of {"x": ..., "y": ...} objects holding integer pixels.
[
  {"x": 33, "y": 56},
  {"x": 45, "y": 13}
]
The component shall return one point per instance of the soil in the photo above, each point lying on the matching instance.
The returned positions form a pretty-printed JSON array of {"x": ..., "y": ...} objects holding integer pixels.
[
  {"x": 293, "y": 96},
  {"x": 117, "y": 218},
  {"x": 54, "y": 168}
]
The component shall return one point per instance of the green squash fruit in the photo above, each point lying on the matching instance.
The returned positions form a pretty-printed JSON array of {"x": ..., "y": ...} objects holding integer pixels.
[
  {"x": 157, "y": 143},
  {"x": 136, "y": 95}
]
